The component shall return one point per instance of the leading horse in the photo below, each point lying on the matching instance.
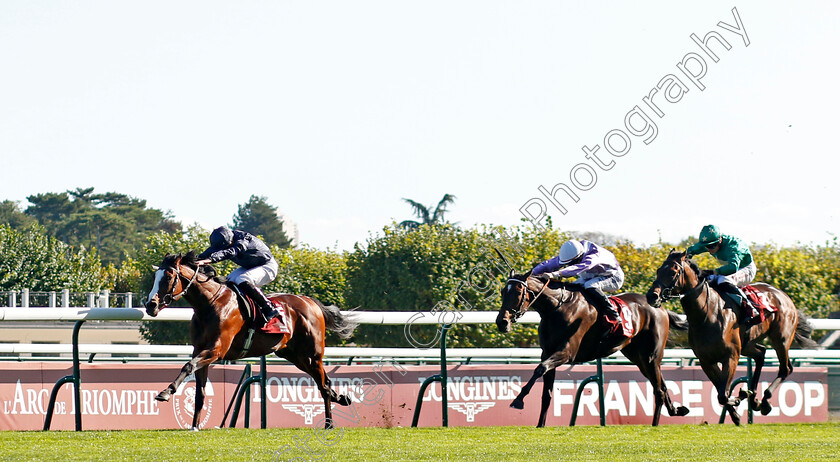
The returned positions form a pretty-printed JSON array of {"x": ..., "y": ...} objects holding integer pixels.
[
  {"x": 219, "y": 329},
  {"x": 718, "y": 340},
  {"x": 570, "y": 332}
]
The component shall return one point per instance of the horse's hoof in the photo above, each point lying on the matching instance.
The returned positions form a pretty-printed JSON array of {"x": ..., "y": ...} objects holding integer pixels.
[
  {"x": 682, "y": 411},
  {"x": 743, "y": 394},
  {"x": 765, "y": 407},
  {"x": 344, "y": 400},
  {"x": 193, "y": 429},
  {"x": 329, "y": 424},
  {"x": 163, "y": 396},
  {"x": 518, "y": 404}
]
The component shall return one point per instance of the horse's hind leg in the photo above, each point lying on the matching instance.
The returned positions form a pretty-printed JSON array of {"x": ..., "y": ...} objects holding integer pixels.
[
  {"x": 757, "y": 353},
  {"x": 548, "y": 391},
  {"x": 785, "y": 369},
  {"x": 315, "y": 368}
]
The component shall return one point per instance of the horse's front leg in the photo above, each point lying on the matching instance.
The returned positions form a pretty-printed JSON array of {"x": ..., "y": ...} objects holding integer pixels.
[
  {"x": 548, "y": 392},
  {"x": 556, "y": 359},
  {"x": 721, "y": 378},
  {"x": 200, "y": 360},
  {"x": 200, "y": 382}
]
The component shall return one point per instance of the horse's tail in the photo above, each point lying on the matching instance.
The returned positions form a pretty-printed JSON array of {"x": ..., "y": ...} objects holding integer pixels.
[
  {"x": 804, "y": 329},
  {"x": 676, "y": 322},
  {"x": 337, "y": 322}
]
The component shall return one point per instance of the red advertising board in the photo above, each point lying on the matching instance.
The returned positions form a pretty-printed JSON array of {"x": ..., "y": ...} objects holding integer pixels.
[{"x": 121, "y": 396}]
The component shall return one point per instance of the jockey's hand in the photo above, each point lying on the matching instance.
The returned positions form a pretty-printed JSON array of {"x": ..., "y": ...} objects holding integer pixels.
[
  {"x": 203, "y": 262},
  {"x": 706, "y": 274}
]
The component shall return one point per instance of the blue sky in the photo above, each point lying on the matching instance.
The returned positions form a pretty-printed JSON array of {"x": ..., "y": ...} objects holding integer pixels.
[{"x": 334, "y": 111}]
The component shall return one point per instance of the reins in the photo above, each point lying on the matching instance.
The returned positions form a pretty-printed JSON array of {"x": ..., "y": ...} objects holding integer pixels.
[{"x": 520, "y": 310}]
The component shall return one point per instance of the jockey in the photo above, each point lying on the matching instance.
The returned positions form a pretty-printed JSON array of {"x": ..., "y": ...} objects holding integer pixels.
[
  {"x": 597, "y": 270},
  {"x": 257, "y": 265},
  {"x": 738, "y": 270}
]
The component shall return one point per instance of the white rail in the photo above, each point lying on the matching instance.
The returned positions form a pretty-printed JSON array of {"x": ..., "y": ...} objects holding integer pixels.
[{"x": 362, "y": 317}]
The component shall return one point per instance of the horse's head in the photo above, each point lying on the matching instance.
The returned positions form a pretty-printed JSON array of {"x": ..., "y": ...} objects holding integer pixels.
[
  {"x": 672, "y": 278},
  {"x": 516, "y": 298},
  {"x": 170, "y": 282}
]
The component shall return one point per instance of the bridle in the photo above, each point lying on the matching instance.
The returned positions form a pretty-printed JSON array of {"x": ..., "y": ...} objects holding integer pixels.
[
  {"x": 169, "y": 298},
  {"x": 522, "y": 307},
  {"x": 669, "y": 293}
]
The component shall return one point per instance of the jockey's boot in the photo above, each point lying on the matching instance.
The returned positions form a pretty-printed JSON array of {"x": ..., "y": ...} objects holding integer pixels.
[
  {"x": 748, "y": 315},
  {"x": 266, "y": 307},
  {"x": 602, "y": 303}
]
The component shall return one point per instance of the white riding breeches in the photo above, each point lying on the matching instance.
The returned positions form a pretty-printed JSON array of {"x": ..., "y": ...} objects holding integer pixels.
[
  {"x": 607, "y": 284},
  {"x": 739, "y": 278},
  {"x": 258, "y": 275}
]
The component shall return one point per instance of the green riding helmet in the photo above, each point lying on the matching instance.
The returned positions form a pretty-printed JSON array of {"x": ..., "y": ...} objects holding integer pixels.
[{"x": 709, "y": 235}]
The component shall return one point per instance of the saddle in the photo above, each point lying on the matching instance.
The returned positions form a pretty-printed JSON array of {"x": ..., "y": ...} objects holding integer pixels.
[{"x": 253, "y": 317}]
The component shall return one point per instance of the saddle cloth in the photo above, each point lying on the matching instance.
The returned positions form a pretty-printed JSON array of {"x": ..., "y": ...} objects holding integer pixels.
[
  {"x": 759, "y": 300},
  {"x": 625, "y": 314}
]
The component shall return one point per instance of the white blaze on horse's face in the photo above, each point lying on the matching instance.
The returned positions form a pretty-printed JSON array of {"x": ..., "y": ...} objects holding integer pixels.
[{"x": 156, "y": 286}]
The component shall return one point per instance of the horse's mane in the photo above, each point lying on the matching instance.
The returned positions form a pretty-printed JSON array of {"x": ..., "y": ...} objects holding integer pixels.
[
  {"x": 190, "y": 259},
  {"x": 676, "y": 255}
]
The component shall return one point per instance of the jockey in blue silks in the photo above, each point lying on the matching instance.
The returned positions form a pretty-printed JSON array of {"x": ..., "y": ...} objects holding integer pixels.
[{"x": 257, "y": 266}]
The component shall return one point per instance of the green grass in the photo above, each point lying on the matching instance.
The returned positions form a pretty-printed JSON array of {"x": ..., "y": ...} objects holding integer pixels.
[{"x": 766, "y": 442}]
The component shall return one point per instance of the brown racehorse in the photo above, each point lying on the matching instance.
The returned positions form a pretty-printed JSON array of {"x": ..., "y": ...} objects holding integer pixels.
[
  {"x": 718, "y": 340},
  {"x": 219, "y": 331},
  {"x": 570, "y": 332}
]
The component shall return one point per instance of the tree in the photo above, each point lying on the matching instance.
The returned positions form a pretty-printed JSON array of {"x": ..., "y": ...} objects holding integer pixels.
[
  {"x": 30, "y": 258},
  {"x": 114, "y": 224},
  {"x": 260, "y": 218},
  {"x": 12, "y": 215},
  {"x": 426, "y": 215}
]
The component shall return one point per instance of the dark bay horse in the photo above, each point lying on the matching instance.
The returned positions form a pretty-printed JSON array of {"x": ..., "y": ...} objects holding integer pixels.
[
  {"x": 718, "y": 340},
  {"x": 219, "y": 331},
  {"x": 570, "y": 332}
]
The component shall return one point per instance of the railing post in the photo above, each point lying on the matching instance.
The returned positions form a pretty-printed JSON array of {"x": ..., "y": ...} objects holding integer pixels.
[
  {"x": 76, "y": 379},
  {"x": 261, "y": 380},
  {"x": 65, "y": 298},
  {"x": 24, "y": 298},
  {"x": 103, "y": 298},
  {"x": 598, "y": 378},
  {"x": 91, "y": 300},
  {"x": 128, "y": 300},
  {"x": 52, "y": 299},
  {"x": 442, "y": 378},
  {"x": 12, "y": 298}
]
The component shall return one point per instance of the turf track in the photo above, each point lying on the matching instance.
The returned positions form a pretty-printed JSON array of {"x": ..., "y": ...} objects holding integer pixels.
[{"x": 765, "y": 442}]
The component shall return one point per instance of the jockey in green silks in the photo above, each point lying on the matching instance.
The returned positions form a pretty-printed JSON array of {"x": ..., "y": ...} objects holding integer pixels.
[{"x": 737, "y": 271}]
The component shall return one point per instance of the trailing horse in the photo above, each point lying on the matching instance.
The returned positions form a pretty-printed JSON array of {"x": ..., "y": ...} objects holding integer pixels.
[
  {"x": 719, "y": 341},
  {"x": 570, "y": 332},
  {"x": 220, "y": 330}
]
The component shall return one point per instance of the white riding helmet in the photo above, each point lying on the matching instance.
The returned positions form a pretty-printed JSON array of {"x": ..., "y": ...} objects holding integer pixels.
[{"x": 570, "y": 251}]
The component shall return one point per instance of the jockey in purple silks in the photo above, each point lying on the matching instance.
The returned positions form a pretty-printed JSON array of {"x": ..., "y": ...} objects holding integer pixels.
[
  {"x": 597, "y": 270},
  {"x": 257, "y": 266}
]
